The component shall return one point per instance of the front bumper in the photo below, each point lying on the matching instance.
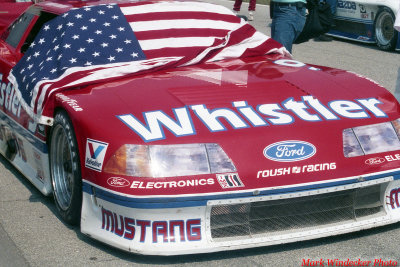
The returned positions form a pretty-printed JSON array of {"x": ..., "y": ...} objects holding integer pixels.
[{"x": 200, "y": 224}]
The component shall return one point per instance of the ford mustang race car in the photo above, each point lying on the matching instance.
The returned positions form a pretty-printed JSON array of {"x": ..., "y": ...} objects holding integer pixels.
[
  {"x": 161, "y": 131},
  {"x": 368, "y": 21}
]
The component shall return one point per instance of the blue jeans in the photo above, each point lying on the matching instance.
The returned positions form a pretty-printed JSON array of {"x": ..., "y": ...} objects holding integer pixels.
[
  {"x": 333, "y": 4},
  {"x": 287, "y": 24}
]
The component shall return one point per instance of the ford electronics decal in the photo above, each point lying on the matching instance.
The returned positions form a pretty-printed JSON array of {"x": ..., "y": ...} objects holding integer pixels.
[{"x": 287, "y": 151}]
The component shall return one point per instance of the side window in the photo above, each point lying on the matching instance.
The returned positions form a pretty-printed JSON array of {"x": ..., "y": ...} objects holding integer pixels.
[
  {"x": 18, "y": 28},
  {"x": 43, "y": 18}
]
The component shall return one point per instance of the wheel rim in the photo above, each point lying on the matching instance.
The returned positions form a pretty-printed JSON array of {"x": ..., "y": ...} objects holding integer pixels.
[
  {"x": 61, "y": 162},
  {"x": 384, "y": 28}
]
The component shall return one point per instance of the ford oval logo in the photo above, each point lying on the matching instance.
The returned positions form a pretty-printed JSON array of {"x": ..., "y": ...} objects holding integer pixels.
[
  {"x": 117, "y": 182},
  {"x": 287, "y": 151},
  {"x": 375, "y": 161}
]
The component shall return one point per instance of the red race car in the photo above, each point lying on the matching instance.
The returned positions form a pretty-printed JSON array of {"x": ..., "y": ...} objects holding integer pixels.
[{"x": 169, "y": 127}]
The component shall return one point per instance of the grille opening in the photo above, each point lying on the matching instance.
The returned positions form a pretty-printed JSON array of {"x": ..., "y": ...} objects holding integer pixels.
[{"x": 295, "y": 214}]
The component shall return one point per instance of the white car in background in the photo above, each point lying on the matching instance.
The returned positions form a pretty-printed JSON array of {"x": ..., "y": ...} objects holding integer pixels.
[{"x": 368, "y": 21}]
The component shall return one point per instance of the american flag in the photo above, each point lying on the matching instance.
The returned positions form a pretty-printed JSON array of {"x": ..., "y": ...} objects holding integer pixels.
[{"x": 103, "y": 42}]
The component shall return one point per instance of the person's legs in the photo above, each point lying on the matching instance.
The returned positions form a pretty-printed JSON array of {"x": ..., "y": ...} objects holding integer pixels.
[
  {"x": 252, "y": 5},
  {"x": 287, "y": 24},
  {"x": 333, "y": 4},
  {"x": 236, "y": 5}
]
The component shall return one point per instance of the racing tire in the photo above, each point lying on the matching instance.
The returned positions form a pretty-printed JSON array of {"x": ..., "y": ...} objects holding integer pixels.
[
  {"x": 385, "y": 34},
  {"x": 65, "y": 169}
]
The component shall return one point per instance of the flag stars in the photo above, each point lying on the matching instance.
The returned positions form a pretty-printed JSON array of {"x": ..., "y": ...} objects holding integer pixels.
[
  {"x": 59, "y": 27},
  {"x": 30, "y": 66},
  {"x": 90, "y": 40},
  {"x": 119, "y": 50},
  {"x": 46, "y": 27},
  {"x": 75, "y": 37},
  {"x": 87, "y": 9},
  {"x": 110, "y": 6},
  {"x": 53, "y": 70},
  {"x": 121, "y": 29},
  {"x": 88, "y": 63},
  {"x": 101, "y": 12},
  {"x": 96, "y": 54},
  {"x": 32, "y": 44},
  {"x": 112, "y": 36},
  {"x": 55, "y": 39},
  {"x": 78, "y": 16},
  {"x": 92, "y": 20},
  {"x": 111, "y": 58},
  {"x": 49, "y": 59},
  {"x": 59, "y": 57},
  {"x": 81, "y": 50},
  {"x": 67, "y": 46},
  {"x": 114, "y": 17},
  {"x": 70, "y": 24},
  {"x": 36, "y": 54},
  {"x": 98, "y": 32},
  {"x": 29, "y": 58},
  {"x": 84, "y": 28},
  {"x": 72, "y": 60},
  {"x": 41, "y": 41},
  {"x": 106, "y": 24},
  {"x": 56, "y": 47},
  {"x": 104, "y": 45},
  {"x": 134, "y": 55},
  {"x": 127, "y": 41}
]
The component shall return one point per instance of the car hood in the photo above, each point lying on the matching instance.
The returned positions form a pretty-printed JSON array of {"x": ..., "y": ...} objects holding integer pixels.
[{"x": 246, "y": 106}]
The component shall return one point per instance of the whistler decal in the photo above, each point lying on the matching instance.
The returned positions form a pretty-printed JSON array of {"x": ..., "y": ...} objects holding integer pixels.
[
  {"x": 319, "y": 167},
  {"x": 229, "y": 180},
  {"x": 118, "y": 182},
  {"x": 242, "y": 116},
  {"x": 151, "y": 231},
  {"x": 95, "y": 152},
  {"x": 172, "y": 184},
  {"x": 374, "y": 161},
  {"x": 8, "y": 98},
  {"x": 289, "y": 151}
]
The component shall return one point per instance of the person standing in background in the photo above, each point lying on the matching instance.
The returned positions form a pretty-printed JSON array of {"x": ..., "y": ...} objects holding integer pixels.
[
  {"x": 323, "y": 37},
  {"x": 252, "y": 8},
  {"x": 288, "y": 19}
]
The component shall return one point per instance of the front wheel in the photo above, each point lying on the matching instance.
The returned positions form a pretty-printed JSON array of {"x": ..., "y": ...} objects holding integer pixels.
[
  {"x": 65, "y": 169},
  {"x": 385, "y": 34}
]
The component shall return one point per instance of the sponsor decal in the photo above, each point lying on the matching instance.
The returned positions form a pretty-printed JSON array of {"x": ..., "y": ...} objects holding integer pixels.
[
  {"x": 347, "y": 5},
  {"x": 289, "y": 151},
  {"x": 95, "y": 152},
  {"x": 151, "y": 231},
  {"x": 242, "y": 115},
  {"x": 362, "y": 8},
  {"x": 118, "y": 182},
  {"x": 172, "y": 184},
  {"x": 229, "y": 180},
  {"x": 374, "y": 161},
  {"x": 394, "y": 198},
  {"x": 71, "y": 102},
  {"x": 297, "y": 169},
  {"x": 394, "y": 157},
  {"x": 8, "y": 98}
]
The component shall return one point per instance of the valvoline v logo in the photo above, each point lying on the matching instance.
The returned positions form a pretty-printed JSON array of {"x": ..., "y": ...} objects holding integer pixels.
[
  {"x": 288, "y": 151},
  {"x": 95, "y": 152}
]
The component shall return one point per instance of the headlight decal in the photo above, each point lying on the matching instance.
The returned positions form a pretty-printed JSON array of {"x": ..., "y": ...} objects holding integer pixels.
[
  {"x": 371, "y": 139},
  {"x": 158, "y": 161}
]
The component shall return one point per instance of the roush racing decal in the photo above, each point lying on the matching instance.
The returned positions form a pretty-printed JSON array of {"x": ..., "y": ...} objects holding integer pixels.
[{"x": 308, "y": 109}]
